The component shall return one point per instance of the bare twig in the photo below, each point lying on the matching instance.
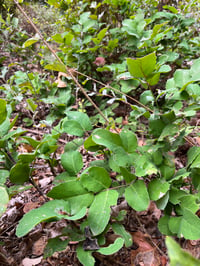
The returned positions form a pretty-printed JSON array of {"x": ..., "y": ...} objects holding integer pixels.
[
  {"x": 149, "y": 237},
  {"x": 68, "y": 70},
  {"x": 38, "y": 189}
]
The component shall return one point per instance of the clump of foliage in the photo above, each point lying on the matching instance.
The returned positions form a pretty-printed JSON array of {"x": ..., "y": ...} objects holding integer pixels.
[{"x": 140, "y": 59}]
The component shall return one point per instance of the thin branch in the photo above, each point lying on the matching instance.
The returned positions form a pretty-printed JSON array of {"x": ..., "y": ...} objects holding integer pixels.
[
  {"x": 68, "y": 70},
  {"x": 38, "y": 189}
]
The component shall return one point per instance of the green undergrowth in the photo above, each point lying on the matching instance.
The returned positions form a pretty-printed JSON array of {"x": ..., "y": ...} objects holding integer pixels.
[{"x": 120, "y": 55}]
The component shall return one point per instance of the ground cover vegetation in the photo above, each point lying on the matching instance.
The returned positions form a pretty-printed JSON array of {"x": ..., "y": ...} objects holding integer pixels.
[{"x": 119, "y": 85}]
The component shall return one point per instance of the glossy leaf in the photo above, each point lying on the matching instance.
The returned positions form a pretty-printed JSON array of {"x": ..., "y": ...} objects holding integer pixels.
[
  {"x": 192, "y": 154},
  {"x": 99, "y": 212},
  {"x": 186, "y": 226},
  {"x": 72, "y": 162},
  {"x": 19, "y": 173},
  {"x": 179, "y": 256},
  {"x": 137, "y": 196},
  {"x": 81, "y": 118},
  {"x": 142, "y": 67},
  {"x": 85, "y": 256},
  {"x": 70, "y": 188},
  {"x": 73, "y": 128},
  {"x": 107, "y": 139},
  {"x": 54, "y": 209},
  {"x": 127, "y": 175},
  {"x": 96, "y": 180},
  {"x": 163, "y": 225},
  {"x": 29, "y": 42},
  {"x": 4, "y": 174},
  {"x": 3, "y": 111},
  {"x": 120, "y": 230},
  {"x": 129, "y": 141},
  {"x": 4, "y": 199},
  {"x": 157, "y": 189},
  {"x": 112, "y": 248},
  {"x": 78, "y": 202},
  {"x": 56, "y": 66}
]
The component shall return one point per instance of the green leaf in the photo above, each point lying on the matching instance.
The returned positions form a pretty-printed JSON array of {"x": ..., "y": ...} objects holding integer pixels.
[
  {"x": 167, "y": 172},
  {"x": 113, "y": 248},
  {"x": 169, "y": 130},
  {"x": 78, "y": 202},
  {"x": 4, "y": 174},
  {"x": 196, "y": 162},
  {"x": 81, "y": 118},
  {"x": 64, "y": 38},
  {"x": 157, "y": 189},
  {"x": 34, "y": 143},
  {"x": 163, "y": 225},
  {"x": 55, "y": 245},
  {"x": 90, "y": 145},
  {"x": 77, "y": 123},
  {"x": 72, "y": 161},
  {"x": 179, "y": 256},
  {"x": 29, "y": 42},
  {"x": 84, "y": 17},
  {"x": 100, "y": 36},
  {"x": 127, "y": 175},
  {"x": 157, "y": 29},
  {"x": 146, "y": 97},
  {"x": 73, "y": 192},
  {"x": 96, "y": 180},
  {"x": 192, "y": 154},
  {"x": 120, "y": 230},
  {"x": 27, "y": 157},
  {"x": 74, "y": 144},
  {"x": 85, "y": 256},
  {"x": 54, "y": 209},
  {"x": 56, "y": 66},
  {"x": 157, "y": 157},
  {"x": 4, "y": 199},
  {"x": 68, "y": 189},
  {"x": 73, "y": 128},
  {"x": 31, "y": 105},
  {"x": 190, "y": 202},
  {"x": 129, "y": 85},
  {"x": 175, "y": 194},
  {"x": 142, "y": 67},
  {"x": 186, "y": 226},
  {"x": 156, "y": 126},
  {"x": 162, "y": 202},
  {"x": 3, "y": 111},
  {"x": 99, "y": 212},
  {"x": 19, "y": 173},
  {"x": 164, "y": 69},
  {"x": 114, "y": 143},
  {"x": 153, "y": 79},
  {"x": 137, "y": 196},
  {"x": 107, "y": 139},
  {"x": 129, "y": 141}
]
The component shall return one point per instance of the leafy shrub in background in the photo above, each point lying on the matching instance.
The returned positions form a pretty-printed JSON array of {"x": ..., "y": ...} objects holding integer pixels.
[{"x": 140, "y": 50}]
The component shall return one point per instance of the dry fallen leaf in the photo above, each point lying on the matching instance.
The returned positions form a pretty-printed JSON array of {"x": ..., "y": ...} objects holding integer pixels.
[
  {"x": 62, "y": 84},
  {"x": 30, "y": 205},
  {"x": 31, "y": 262},
  {"x": 145, "y": 254},
  {"x": 39, "y": 245}
]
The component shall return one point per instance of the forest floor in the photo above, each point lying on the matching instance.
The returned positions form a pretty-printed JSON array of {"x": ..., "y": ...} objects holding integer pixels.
[
  {"x": 148, "y": 243},
  {"x": 148, "y": 247}
]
